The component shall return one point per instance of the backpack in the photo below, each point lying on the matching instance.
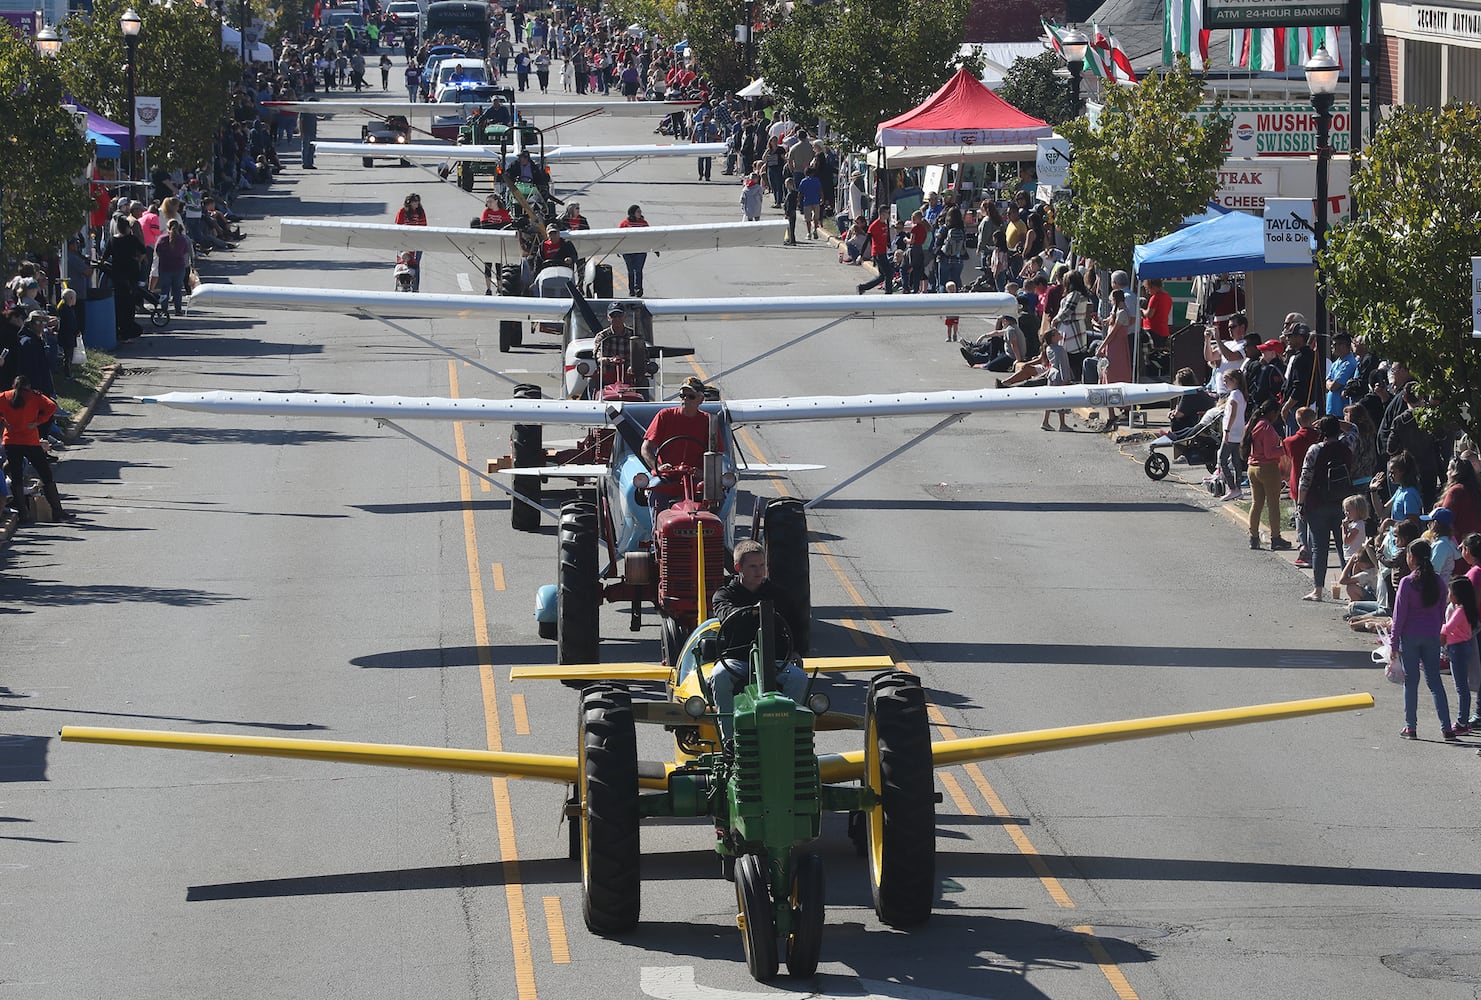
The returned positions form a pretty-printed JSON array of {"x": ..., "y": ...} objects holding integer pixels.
[
  {"x": 1331, "y": 474},
  {"x": 955, "y": 244}
]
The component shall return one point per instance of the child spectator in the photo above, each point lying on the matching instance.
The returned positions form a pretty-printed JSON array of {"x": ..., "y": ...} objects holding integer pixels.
[
  {"x": 953, "y": 323},
  {"x": 1419, "y": 615},
  {"x": 1444, "y": 551},
  {"x": 1460, "y": 647}
]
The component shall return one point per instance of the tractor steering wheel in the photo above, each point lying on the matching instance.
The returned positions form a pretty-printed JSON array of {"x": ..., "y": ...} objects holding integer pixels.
[
  {"x": 738, "y": 631},
  {"x": 658, "y": 461}
]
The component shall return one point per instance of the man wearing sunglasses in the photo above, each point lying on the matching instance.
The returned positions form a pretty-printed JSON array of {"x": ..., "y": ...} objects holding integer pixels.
[{"x": 682, "y": 433}]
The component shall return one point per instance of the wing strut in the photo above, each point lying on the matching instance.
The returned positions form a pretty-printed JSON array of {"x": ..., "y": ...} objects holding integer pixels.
[
  {"x": 941, "y": 426},
  {"x": 782, "y": 347},
  {"x": 485, "y": 477},
  {"x": 436, "y": 346}
]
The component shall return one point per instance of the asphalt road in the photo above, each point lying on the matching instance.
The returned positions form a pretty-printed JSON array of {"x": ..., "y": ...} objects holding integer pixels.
[{"x": 331, "y": 579}]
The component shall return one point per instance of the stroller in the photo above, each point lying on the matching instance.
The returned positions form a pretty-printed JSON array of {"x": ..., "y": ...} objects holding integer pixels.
[
  {"x": 1196, "y": 445},
  {"x": 408, "y": 273},
  {"x": 153, "y": 302}
]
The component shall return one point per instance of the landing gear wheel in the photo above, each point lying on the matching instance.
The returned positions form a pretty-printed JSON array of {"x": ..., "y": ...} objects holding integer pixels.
[
  {"x": 579, "y": 597},
  {"x": 465, "y": 177},
  {"x": 902, "y": 827},
  {"x": 527, "y": 448},
  {"x": 511, "y": 335},
  {"x": 1157, "y": 466},
  {"x": 785, "y": 536},
  {"x": 610, "y": 852},
  {"x": 673, "y": 641},
  {"x": 805, "y": 943},
  {"x": 367, "y": 161},
  {"x": 758, "y": 930}
]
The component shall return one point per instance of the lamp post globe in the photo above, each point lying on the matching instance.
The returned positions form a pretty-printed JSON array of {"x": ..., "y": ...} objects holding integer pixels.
[
  {"x": 48, "y": 42},
  {"x": 1075, "y": 45}
]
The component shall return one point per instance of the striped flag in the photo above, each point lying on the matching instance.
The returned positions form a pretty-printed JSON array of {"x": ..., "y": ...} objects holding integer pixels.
[
  {"x": 1183, "y": 33},
  {"x": 1117, "y": 61},
  {"x": 1262, "y": 49},
  {"x": 1056, "y": 38}
]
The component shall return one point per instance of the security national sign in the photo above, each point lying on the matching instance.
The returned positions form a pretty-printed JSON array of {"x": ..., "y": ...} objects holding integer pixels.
[{"x": 1273, "y": 13}]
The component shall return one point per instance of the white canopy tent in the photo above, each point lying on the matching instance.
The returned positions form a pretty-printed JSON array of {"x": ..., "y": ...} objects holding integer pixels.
[
  {"x": 231, "y": 39},
  {"x": 756, "y": 88}
]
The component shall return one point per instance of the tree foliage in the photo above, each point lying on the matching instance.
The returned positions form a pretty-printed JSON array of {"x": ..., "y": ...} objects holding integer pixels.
[
  {"x": 42, "y": 198},
  {"x": 1399, "y": 273},
  {"x": 709, "y": 28},
  {"x": 861, "y": 63},
  {"x": 180, "y": 60},
  {"x": 1144, "y": 166},
  {"x": 1030, "y": 85}
]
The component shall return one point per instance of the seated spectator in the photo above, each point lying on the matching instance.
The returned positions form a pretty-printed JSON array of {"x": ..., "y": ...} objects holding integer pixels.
[
  {"x": 855, "y": 245},
  {"x": 1188, "y": 410},
  {"x": 1001, "y": 349},
  {"x": 1392, "y": 553}
]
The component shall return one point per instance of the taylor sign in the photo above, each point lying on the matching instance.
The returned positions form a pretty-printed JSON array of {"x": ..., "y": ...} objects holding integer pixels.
[{"x": 1278, "y": 129}]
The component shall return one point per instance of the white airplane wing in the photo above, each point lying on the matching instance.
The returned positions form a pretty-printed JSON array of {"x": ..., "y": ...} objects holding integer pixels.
[
  {"x": 383, "y": 236},
  {"x": 382, "y": 108},
  {"x": 748, "y": 411},
  {"x": 425, "y": 306},
  {"x": 588, "y": 242},
  {"x": 389, "y": 305},
  {"x": 573, "y": 153},
  {"x": 409, "y": 150}
]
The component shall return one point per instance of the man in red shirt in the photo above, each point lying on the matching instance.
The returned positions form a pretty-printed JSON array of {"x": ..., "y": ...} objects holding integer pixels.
[
  {"x": 1296, "y": 446},
  {"x": 879, "y": 248},
  {"x": 23, "y": 411},
  {"x": 1156, "y": 312},
  {"x": 678, "y": 435}
]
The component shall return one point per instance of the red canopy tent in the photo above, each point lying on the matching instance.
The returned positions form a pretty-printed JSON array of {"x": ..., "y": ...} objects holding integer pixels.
[{"x": 962, "y": 113}]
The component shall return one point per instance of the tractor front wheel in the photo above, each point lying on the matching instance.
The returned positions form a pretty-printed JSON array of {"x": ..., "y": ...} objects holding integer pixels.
[
  {"x": 465, "y": 176},
  {"x": 527, "y": 448},
  {"x": 785, "y": 534},
  {"x": 902, "y": 826},
  {"x": 610, "y": 850},
  {"x": 805, "y": 943},
  {"x": 758, "y": 929},
  {"x": 579, "y": 596}
]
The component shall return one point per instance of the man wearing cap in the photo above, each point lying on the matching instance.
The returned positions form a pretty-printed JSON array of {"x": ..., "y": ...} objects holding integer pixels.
[
  {"x": 1265, "y": 377},
  {"x": 681, "y": 433},
  {"x": 1444, "y": 553},
  {"x": 1301, "y": 386},
  {"x": 1343, "y": 367},
  {"x": 617, "y": 341}
]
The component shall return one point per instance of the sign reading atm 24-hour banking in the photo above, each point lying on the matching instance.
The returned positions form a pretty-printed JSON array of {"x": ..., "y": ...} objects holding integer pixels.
[{"x": 1273, "y": 13}]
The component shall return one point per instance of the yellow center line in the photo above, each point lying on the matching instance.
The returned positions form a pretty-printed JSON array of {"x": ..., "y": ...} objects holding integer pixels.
[
  {"x": 1015, "y": 831},
  {"x": 555, "y": 925},
  {"x": 498, "y": 572},
  {"x": 521, "y": 716},
  {"x": 514, "y": 898}
]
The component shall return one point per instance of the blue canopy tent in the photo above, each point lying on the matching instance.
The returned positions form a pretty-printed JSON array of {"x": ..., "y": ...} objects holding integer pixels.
[
  {"x": 1222, "y": 245},
  {"x": 106, "y": 148}
]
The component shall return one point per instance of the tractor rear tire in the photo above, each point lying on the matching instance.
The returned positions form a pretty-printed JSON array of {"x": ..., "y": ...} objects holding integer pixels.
[
  {"x": 465, "y": 176},
  {"x": 785, "y": 535},
  {"x": 902, "y": 827},
  {"x": 509, "y": 279},
  {"x": 527, "y": 448},
  {"x": 611, "y": 882},
  {"x": 511, "y": 335},
  {"x": 758, "y": 928},
  {"x": 805, "y": 943},
  {"x": 579, "y": 595}
]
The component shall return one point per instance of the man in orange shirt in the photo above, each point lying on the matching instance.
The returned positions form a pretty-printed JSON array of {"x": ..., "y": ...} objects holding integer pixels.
[{"x": 23, "y": 411}]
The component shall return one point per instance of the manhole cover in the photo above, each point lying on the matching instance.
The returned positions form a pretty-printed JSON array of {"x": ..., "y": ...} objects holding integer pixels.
[{"x": 1444, "y": 966}]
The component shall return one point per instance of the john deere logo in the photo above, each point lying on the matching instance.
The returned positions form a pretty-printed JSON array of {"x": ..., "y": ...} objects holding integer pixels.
[{"x": 148, "y": 113}]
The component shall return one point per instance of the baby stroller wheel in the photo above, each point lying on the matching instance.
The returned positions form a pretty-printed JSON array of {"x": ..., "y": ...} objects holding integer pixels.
[
  {"x": 159, "y": 315},
  {"x": 1211, "y": 465},
  {"x": 1157, "y": 466}
]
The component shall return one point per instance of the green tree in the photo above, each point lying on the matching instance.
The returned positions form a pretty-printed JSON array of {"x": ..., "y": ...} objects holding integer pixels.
[
  {"x": 1031, "y": 86},
  {"x": 1399, "y": 273},
  {"x": 180, "y": 60},
  {"x": 42, "y": 198},
  {"x": 860, "y": 63},
  {"x": 1143, "y": 166}
]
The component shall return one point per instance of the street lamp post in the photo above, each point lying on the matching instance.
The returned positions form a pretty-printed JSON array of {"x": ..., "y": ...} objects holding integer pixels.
[
  {"x": 48, "y": 42},
  {"x": 1322, "y": 73},
  {"x": 130, "y": 24},
  {"x": 1075, "y": 45},
  {"x": 243, "y": 10}
]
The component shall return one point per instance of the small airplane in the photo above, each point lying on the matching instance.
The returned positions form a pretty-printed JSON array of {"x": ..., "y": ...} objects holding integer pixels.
[
  {"x": 763, "y": 784},
  {"x": 615, "y": 109},
  {"x": 499, "y": 154}
]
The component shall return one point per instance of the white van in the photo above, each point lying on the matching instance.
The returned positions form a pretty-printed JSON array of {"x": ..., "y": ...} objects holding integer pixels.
[{"x": 469, "y": 70}]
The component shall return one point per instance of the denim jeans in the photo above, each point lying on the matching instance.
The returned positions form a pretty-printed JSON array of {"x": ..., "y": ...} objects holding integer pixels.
[
  {"x": 172, "y": 289},
  {"x": 730, "y": 675},
  {"x": 635, "y": 262},
  {"x": 1464, "y": 673},
  {"x": 1323, "y": 532},
  {"x": 1416, "y": 651}
]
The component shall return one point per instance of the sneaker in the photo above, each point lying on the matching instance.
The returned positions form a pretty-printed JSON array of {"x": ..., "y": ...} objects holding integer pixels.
[
  {"x": 1407, "y": 733},
  {"x": 1233, "y": 495},
  {"x": 1303, "y": 563},
  {"x": 1255, "y": 542},
  {"x": 1448, "y": 733},
  {"x": 1279, "y": 544},
  {"x": 1461, "y": 729}
]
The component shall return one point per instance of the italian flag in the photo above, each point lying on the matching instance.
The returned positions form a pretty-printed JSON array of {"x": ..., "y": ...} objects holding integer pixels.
[
  {"x": 1111, "y": 57},
  {"x": 1183, "y": 33}
]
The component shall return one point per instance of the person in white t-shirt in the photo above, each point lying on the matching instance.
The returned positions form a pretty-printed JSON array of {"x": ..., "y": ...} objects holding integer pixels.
[{"x": 1234, "y": 421}]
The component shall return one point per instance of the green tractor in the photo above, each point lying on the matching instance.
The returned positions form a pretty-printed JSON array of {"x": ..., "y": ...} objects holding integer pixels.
[{"x": 765, "y": 788}]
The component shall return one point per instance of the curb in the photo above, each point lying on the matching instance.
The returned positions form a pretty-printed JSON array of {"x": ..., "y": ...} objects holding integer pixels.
[{"x": 10, "y": 521}]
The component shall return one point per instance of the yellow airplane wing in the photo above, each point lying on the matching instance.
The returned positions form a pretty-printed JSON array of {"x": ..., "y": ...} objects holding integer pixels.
[
  {"x": 541, "y": 767},
  {"x": 658, "y": 672},
  {"x": 849, "y": 766}
]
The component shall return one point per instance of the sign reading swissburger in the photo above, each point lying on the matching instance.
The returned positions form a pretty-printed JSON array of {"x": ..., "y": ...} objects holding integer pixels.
[
  {"x": 1273, "y": 13},
  {"x": 1278, "y": 129}
]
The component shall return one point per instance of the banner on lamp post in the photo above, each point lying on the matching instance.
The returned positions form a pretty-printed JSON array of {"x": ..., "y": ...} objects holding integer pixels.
[
  {"x": 1476, "y": 297},
  {"x": 1052, "y": 162},
  {"x": 1288, "y": 230},
  {"x": 148, "y": 118}
]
